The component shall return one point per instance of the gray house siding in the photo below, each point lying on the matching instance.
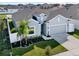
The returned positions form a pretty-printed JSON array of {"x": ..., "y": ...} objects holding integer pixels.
[
  {"x": 37, "y": 27},
  {"x": 56, "y": 25}
]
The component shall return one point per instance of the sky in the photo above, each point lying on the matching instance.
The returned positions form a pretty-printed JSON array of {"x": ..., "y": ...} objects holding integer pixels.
[{"x": 37, "y": 1}]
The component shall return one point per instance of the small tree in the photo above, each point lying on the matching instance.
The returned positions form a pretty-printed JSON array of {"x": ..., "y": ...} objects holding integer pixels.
[
  {"x": 23, "y": 30},
  {"x": 48, "y": 50}
]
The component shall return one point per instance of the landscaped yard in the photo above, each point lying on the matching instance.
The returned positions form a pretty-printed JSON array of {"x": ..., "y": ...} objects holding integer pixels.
[
  {"x": 75, "y": 33},
  {"x": 43, "y": 48}
]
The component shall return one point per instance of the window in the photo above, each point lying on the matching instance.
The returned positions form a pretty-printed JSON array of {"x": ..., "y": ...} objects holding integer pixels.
[
  {"x": 33, "y": 17},
  {"x": 31, "y": 30}
]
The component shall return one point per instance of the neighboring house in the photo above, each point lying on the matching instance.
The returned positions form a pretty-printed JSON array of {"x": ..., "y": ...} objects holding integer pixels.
[{"x": 7, "y": 11}]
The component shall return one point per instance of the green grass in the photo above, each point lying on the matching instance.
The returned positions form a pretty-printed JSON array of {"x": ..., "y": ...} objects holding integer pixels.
[
  {"x": 20, "y": 51},
  {"x": 75, "y": 33},
  {"x": 39, "y": 49},
  {"x": 5, "y": 53}
]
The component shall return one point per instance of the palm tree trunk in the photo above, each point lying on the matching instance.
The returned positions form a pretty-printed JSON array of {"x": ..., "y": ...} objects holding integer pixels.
[
  {"x": 20, "y": 41},
  {"x": 26, "y": 39}
]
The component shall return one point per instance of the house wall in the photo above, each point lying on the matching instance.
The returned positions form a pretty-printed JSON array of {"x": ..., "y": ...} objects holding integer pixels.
[
  {"x": 13, "y": 36},
  {"x": 75, "y": 22},
  {"x": 71, "y": 27},
  {"x": 37, "y": 27}
]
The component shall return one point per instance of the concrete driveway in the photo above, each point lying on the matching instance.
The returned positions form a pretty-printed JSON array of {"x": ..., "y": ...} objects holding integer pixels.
[
  {"x": 61, "y": 38},
  {"x": 74, "y": 52},
  {"x": 71, "y": 43}
]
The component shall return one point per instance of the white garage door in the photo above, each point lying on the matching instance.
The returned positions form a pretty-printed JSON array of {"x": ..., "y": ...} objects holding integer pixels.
[{"x": 57, "y": 29}]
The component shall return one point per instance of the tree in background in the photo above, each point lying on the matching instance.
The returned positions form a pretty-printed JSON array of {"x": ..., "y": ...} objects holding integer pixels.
[{"x": 2, "y": 28}]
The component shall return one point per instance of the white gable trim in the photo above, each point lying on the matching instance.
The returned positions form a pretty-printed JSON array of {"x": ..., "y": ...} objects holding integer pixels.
[{"x": 59, "y": 15}]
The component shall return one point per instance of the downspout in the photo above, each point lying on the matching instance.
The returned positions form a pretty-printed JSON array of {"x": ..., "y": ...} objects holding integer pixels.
[
  {"x": 48, "y": 35},
  {"x": 68, "y": 25}
]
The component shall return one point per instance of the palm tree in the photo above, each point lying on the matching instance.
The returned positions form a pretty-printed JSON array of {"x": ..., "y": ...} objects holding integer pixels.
[{"x": 23, "y": 30}]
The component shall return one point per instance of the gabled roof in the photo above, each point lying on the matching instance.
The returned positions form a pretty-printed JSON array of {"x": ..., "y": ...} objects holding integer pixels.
[{"x": 59, "y": 16}]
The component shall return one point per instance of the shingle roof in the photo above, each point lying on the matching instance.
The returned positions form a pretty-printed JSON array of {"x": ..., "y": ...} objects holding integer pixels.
[
  {"x": 27, "y": 13},
  {"x": 72, "y": 12},
  {"x": 52, "y": 13}
]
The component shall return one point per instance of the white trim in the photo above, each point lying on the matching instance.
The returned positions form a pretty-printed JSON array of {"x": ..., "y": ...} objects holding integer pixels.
[{"x": 59, "y": 15}]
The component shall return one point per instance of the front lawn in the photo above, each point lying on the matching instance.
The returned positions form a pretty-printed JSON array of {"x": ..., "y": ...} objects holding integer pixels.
[
  {"x": 40, "y": 49},
  {"x": 75, "y": 33},
  {"x": 20, "y": 51}
]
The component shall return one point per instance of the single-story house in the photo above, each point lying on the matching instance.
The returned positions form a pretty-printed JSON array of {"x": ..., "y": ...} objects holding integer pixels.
[
  {"x": 41, "y": 26},
  {"x": 47, "y": 23},
  {"x": 56, "y": 28}
]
